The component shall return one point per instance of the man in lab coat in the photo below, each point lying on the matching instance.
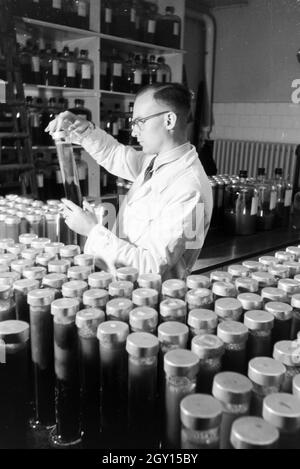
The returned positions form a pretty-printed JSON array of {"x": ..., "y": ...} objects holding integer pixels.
[{"x": 165, "y": 216}]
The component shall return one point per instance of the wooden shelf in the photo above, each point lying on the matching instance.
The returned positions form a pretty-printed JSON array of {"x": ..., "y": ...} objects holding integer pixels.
[
  {"x": 53, "y": 30},
  {"x": 127, "y": 43}
]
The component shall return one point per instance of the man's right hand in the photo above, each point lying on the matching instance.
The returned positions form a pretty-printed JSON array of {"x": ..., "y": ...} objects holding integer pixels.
[{"x": 73, "y": 125}]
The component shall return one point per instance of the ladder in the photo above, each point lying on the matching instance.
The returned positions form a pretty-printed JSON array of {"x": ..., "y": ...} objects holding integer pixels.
[{"x": 15, "y": 141}]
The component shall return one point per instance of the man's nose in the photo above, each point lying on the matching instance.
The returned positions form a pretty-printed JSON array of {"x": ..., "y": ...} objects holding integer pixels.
[{"x": 134, "y": 131}]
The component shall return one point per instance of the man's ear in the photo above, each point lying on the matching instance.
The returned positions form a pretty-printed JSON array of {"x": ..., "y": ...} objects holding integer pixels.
[{"x": 170, "y": 120}]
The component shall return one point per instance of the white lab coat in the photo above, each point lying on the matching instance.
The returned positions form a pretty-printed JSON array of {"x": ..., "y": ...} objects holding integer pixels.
[{"x": 163, "y": 222}]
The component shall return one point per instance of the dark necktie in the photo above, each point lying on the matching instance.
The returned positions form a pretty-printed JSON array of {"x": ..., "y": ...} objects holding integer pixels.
[{"x": 149, "y": 170}]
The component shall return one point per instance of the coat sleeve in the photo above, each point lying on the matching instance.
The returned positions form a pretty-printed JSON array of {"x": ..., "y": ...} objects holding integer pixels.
[
  {"x": 179, "y": 226},
  {"x": 121, "y": 160}
]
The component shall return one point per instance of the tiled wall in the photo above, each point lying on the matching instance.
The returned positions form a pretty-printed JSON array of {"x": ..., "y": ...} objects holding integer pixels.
[{"x": 270, "y": 122}]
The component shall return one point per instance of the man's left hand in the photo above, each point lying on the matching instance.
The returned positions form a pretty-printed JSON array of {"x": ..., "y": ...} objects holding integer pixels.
[{"x": 79, "y": 220}]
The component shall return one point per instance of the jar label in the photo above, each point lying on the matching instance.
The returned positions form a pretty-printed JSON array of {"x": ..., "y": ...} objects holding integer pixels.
[
  {"x": 71, "y": 69},
  {"x": 151, "y": 26},
  {"x": 35, "y": 63},
  {"x": 288, "y": 198},
  {"x": 40, "y": 180},
  {"x": 103, "y": 68},
  {"x": 108, "y": 15},
  {"x": 86, "y": 71},
  {"x": 254, "y": 206},
  {"x": 137, "y": 77},
  {"x": 56, "y": 4},
  {"x": 117, "y": 70},
  {"x": 132, "y": 15},
  {"x": 58, "y": 177},
  {"x": 82, "y": 9},
  {"x": 176, "y": 29},
  {"x": 273, "y": 200},
  {"x": 55, "y": 67}
]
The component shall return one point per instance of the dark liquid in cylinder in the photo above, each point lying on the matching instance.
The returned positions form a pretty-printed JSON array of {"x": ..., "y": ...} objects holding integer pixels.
[
  {"x": 44, "y": 395},
  {"x": 73, "y": 193}
]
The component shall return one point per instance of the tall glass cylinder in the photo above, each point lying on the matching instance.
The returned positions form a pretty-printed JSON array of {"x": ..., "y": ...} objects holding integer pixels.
[
  {"x": 74, "y": 289},
  {"x": 95, "y": 298},
  {"x": 228, "y": 309},
  {"x": 282, "y": 313},
  {"x": 118, "y": 309},
  {"x": 172, "y": 309},
  {"x": 21, "y": 289},
  {"x": 202, "y": 321},
  {"x": 143, "y": 319},
  {"x": 234, "y": 335},
  {"x": 287, "y": 353},
  {"x": 210, "y": 350},
  {"x": 260, "y": 325}
]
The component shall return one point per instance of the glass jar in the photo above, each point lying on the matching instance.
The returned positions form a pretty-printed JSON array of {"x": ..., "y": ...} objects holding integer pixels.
[
  {"x": 85, "y": 260},
  {"x": 95, "y": 298},
  {"x": 142, "y": 349},
  {"x": 267, "y": 376},
  {"x": 268, "y": 261},
  {"x": 253, "y": 433},
  {"x": 7, "y": 258},
  {"x": 68, "y": 252},
  {"x": 220, "y": 276},
  {"x": 8, "y": 278},
  {"x": 114, "y": 381},
  {"x": 289, "y": 286},
  {"x": 30, "y": 254},
  {"x": 181, "y": 368},
  {"x": 246, "y": 285},
  {"x": 282, "y": 313},
  {"x": 172, "y": 309},
  {"x": 34, "y": 273},
  {"x": 202, "y": 321},
  {"x": 143, "y": 319},
  {"x": 295, "y": 251},
  {"x": 78, "y": 272},
  {"x": 12, "y": 227},
  {"x": 250, "y": 301},
  {"x": 100, "y": 280},
  {"x": 19, "y": 265},
  {"x": 254, "y": 266},
  {"x": 273, "y": 294},
  {"x": 228, "y": 309},
  {"x": 16, "y": 249},
  {"x": 287, "y": 353},
  {"x": 279, "y": 271},
  {"x": 21, "y": 289},
  {"x": 67, "y": 431},
  {"x": 121, "y": 288},
  {"x": 87, "y": 322},
  {"x": 260, "y": 325},
  {"x": 264, "y": 279},
  {"x": 7, "y": 304},
  {"x": 56, "y": 282},
  {"x": 150, "y": 281},
  {"x": 173, "y": 288},
  {"x": 234, "y": 335},
  {"x": 59, "y": 266},
  {"x": 199, "y": 298},
  {"x": 41, "y": 336},
  {"x": 197, "y": 281},
  {"x": 295, "y": 303},
  {"x": 118, "y": 309},
  {"x": 34, "y": 224},
  {"x": 283, "y": 411},
  {"x": 284, "y": 256},
  {"x": 238, "y": 271},
  {"x": 233, "y": 390},
  {"x": 223, "y": 289},
  {"x": 201, "y": 417},
  {"x": 129, "y": 274},
  {"x": 53, "y": 249},
  {"x": 74, "y": 289},
  {"x": 145, "y": 297},
  {"x": 293, "y": 266},
  {"x": 210, "y": 350}
]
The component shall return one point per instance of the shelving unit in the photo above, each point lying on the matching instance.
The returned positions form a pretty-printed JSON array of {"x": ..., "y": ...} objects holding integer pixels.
[{"x": 95, "y": 41}]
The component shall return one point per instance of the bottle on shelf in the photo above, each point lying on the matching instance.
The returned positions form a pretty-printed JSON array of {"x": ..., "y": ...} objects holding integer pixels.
[
  {"x": 35, "y": 66},
  {"x": 148, "y": 26},
  {"x": 104, "y": 71},
  {"x": 163, "y": 74},
  {"x": 116, "y": 81},
  {"x": 68, "y": 69},
  {"x": 86, "y": 70},
  {"x": 25, "y": 62},
  {"x": 49, "y": 113},
  {"x": 80, "y": 110},
  {"x": 125, "y": 136},
  {"x": 284, "y": 198},
  {"x": 125, "y": 17},
  {"x": 82, "y": 9},
  {"x": 56, "y": 12},
  {"x": 152, "y": 70},
  {"x": 168, "y": 29},
  {"x": 266, "y": 202},
  {"x": 106, "y": 17},
  {"x": 129, "y": 74}
]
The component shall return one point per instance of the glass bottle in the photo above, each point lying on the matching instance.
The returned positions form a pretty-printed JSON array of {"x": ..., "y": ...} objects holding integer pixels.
[
  {"x": 233, "y": 390},
  {"x": 283, "y": 411},
  {"x": 267, "y": 376},
  {"x": 145, "y": 297},
  {"x": 259, "y": 324},
  {"x": 125, "y": 16},
  {"x": 267, "y": 261},
  {"x": 287, "y": 352},
  {"x": 228, "y": 309},
  {"x": 78, "y": 272},
  {"x": 106, "y": 16},
  {"x": 250, "y": 301},
  {"x": 12, "y": 227},
  {"x": 220, "y": 276},
  {"x": 172, "y": 309},
  {"x": 116, "y": 72},
  {"x": 197, "y": 281},
  {"x": 199, "y": 298},
  {"x": 210, "y": 350},
  {"x": 129, "y": 274},
  {"x": 223, "y": 290},
  {"x": 58, "y": 266},
  {"x": 173, "y": 288},
  {"x": 68, "y": 252},
  {"x": 87, "y": 322},
  {"x": 34, "y": 273},
  {"x": 238, "y": 271},
  {"x": 95, "y": 298},
  {"x": 114, "y": 377},
  {"x": 19, "y": 265},
  {"x": 121, "y": 288},
  {"x": 41, "y": 337},
  {"x": 266, "y": 202},
  {"x": 21, "y": 289},
  {"x": 86, "y": 70},
  {"x": 67, "y": 432},
  {"x": 143, "y": 319},
  {"x": 118, "y": 309},
  {"x": 149, "y": 281},
  {"x": 163, "y": 74},
  {"x": 234, "y": 335},
  {"x": 53, "y": 249},
  {"x": 264, "y": 279},
  {"x": 289, "y": 286},
  {"x": 246, "y": 285},
  {"x": 273, "y": 294},
  {"x": 254, "y": 266},
  {"x": 7, "y": 304},
  {"x": 83, "y": 13},
  {"x": 74, "y": 289},
  {"x": 168, "y": 29},
  {"x": 181, "y": 368},
  {"x": 100, "y": 280},
  {"x": 253, "y": 433},
  {"x": 279, "y": 271},
  {"x": 142, "y": 349},
  {"x": 54, "y": 281},
  {"x": 201, "y": 417},
  {"x": 282, "y": 313},
  {"x": 202, "y": 321}
]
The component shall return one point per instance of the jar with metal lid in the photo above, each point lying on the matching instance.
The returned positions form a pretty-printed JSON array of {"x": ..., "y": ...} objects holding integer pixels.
[
  {"x": 8, "y": 278},
  {"x": 143, "y": 319},
  {"x": 283, "y": 411},
  {"x": 79, "y": 272},
  {"x": 295, "y": 251},
  {"x": 7, "y": 303},
  {"x": 12, "y": 227},
  {"x": 14, "y": 403},
  {"x": 150, "y": 281},
  {"x": 287, "y": 352},
  {"x": 16, "y": 249},
  {"x": 223, "y": 289},
  {"x": 228, "y": 309},
  {"x": 264, "y": 279},
  {"x": 293, "y": 266},
  {"x": 118, "y": 309},
  {"x": 27, "y": 238},
  {"x": 220, "y": 276},
  {"x": 172, "y": 335},
  {"x": 67, "y": 431},
  {"x": 273, "y": 294},
  {"x": 289, "y": 286},
  {"x": 35, "y": 273},
  {"x": 199, "y": 298},
  {"x": 253, "y": 433},
  {"x": 267, "y": 376},
  {"x": 41, "y": 337},
  {"x": 260, "y": 325},
  {"x": 53, "y": 248},
  {"x": 129, "y": 274},
  {"x": 234, "y": 335},
  {"x": 246, "y": 285},
  {"x": 40, "y": 243},
  {"x": 295, "y": 303},
  {"x": 173, "y": 288},
  {"x": 284, "y": 256},
  {"x": 279, "y": 271},
  {"x": 282, "y": 313},
  {"x": 100, "y": 280},
  {"x": 250, "y": 301},
  {"x": 145, "y": 297},
  {"x": 253, "y": 266},
  {"x": 95, "y": 298},
  {"x": 52, "y": 226},
  {"x": 202, "y": 321},
  {"x": 120, "y": 288},
  {"x": 7, "y": 258},
  {"x": 181, "y": 368},
  {"x": 85, "y": 260},
  {"x": 59, "y": 266},
  {"x": 201, "y": 417},
  {"x": 43, "y": 259},
  {"x": 268, "y": 261},
  {"x": 87, "y": 322},
  {"x": 210, "y": 350},
  {"x": 69, "y": 251},
  {"x": 112, "y": 337},
  {"x": 197, "y": 281},
  {"x": 238, "y": 271},
  {"x": 30, "y": 254},
  {"x": 142, "y": 349},
  {"x": 56, "y": 282},
  {"x": 34, "y": 223},
  {"x": 233, "y": 390},
  {"x": 23, "y": 223},
  {"x": 172, "y": 309},
  {"x": 74, "y": 289},
  {"x": 21, "y": 289}
]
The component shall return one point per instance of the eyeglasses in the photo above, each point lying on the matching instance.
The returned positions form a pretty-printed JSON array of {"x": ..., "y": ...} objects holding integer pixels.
[{"x": 139, "y": 122}]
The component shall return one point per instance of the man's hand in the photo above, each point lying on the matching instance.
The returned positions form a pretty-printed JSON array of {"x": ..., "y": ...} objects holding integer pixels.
[
  {"x": 74, "y": 126},
  {"x": 79, "y": 220}
]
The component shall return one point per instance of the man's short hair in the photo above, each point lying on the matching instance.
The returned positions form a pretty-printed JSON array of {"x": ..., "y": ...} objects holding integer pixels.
[{"x": 175, "y": 95}]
